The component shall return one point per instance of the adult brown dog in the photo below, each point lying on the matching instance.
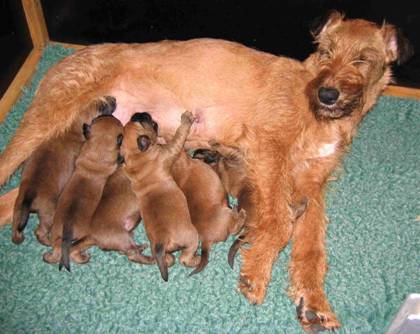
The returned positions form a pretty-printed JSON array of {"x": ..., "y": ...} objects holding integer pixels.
[
  {"x": 97, "y": 161},
  {"x": 112, "y": 226},
  {"x": 162, "y": 203},
  {"x": 47, "y": 171},
  {"x": 292, "y": 120}
]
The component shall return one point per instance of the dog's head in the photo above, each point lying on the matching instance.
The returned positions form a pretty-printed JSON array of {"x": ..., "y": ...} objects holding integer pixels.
[
  {"x": 209, "y": 157},
  {"x": 104, "y": 137},
  {"x": 139, "y": 134},
  {"x": 352, "y": 60}
]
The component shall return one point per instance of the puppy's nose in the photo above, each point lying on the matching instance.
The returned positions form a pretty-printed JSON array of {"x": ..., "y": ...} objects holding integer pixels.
[{"x": 328, "y": 96}]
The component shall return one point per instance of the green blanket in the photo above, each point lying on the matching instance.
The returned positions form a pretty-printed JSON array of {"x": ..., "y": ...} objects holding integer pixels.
[{"x": 373, "y": 245}]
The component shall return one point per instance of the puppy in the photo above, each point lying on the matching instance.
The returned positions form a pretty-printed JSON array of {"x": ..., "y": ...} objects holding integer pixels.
[
  {"x": 162, "y": 203},
  {"x": 98, "y": 159},
  {"x": 47, "y": 171},
  {"x": 113, "y": 223},
  {"x": 208, "y": 204},
  {"x": 229, "y": 163}
]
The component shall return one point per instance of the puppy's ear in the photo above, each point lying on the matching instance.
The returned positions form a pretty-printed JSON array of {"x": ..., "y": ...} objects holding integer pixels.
[
  {"x": 120, "y": 139},
  {"x": 155, "y": 126},
  {"x": 398, "y": 48},
  {"x": 143, "y": 143},
  {"x": 321, "y": 24},
  {"x": 86, "y": 130}
]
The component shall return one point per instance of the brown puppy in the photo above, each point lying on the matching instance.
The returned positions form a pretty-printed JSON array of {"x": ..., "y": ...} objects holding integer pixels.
[
  {"x": 113, "y": 223},
  {"x": 47, "y": 171},
  {"x": 98, "y": 159},
  {"x": 208, "y": 204},
  {"x": 230, "y": 165},
  {"x": 162, "y": 203}
]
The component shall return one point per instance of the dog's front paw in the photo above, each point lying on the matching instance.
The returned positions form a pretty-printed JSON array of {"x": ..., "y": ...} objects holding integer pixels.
[
  {"x": 314, "y": 319},
  {"x": 252, "y": 288},
  {"x": 187, "y": 118}
]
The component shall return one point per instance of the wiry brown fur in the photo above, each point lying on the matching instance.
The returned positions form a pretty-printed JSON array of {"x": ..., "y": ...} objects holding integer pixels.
[
  {"x": 47, "y": 171},
  {"x": 264, "y": 104},
  {"x": 162, "y": 203},
  {"x": 77, "y": 203}
]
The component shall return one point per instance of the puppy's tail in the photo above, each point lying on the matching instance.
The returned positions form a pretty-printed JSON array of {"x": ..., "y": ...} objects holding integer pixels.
[
  {"x": 160, "y": 256},
  {"x": 21, "y": 214},
  {"x": 66, "y": 244},
  {"x": 233, "y": 250},
  {"x": 205, "y": 251}
]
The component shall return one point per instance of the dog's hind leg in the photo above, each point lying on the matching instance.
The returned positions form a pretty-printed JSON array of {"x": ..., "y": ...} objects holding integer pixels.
[
  {"x": 46, "y": 218},
  {"x": 65, "y": 90}
]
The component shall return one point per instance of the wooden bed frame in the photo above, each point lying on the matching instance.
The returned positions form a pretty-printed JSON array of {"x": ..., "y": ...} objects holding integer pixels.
[{"x": 39, "y": 35}]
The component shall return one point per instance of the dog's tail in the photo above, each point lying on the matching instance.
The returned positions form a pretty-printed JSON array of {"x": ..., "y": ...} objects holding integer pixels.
[
  {"x": 160, "y": 256},
  {"x": 233, "y": 250},
  {"x": 21, "y": 214},
  {"x": 66, "y": 90},
  {"x": 205, "y": 251},
  {"x": 66, "y": 244}
]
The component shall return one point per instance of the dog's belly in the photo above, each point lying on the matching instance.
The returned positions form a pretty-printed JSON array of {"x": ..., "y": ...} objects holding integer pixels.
[{"x": 213, "y": 121}]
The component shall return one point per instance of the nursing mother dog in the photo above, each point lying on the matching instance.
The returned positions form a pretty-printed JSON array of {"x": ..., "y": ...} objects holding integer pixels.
[{"x": 292, "y": 120}]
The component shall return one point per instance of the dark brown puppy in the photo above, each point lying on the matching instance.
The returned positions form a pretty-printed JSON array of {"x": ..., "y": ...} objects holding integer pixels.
[
  {"x": 113, "y": 223},
  {"x": 162, "y": 203},
  {"x": 208, "y": 204},
  {"x": 98, "y": 160},
  {"x": 47, "y": 171}
]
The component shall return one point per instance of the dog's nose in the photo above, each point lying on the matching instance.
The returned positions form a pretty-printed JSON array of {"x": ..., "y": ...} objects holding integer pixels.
[{"x": 328, "y": 96}]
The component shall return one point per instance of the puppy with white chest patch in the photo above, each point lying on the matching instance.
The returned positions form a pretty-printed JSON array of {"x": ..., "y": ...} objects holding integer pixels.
[
  {"x": 163, "y": 205},
  {"x": 98, "y": 160}
]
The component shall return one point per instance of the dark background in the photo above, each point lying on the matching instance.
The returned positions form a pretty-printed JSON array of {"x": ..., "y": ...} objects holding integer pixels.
[{"x": 276, "y": 26}]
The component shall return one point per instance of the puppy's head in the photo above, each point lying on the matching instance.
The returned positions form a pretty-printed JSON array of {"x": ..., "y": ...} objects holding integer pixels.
[
  {"x": 104, "y": 105},
  {"x": 104, "y": 137},
  {"x": 208, "y": 156},
  {"x": 139, "y": 134}
]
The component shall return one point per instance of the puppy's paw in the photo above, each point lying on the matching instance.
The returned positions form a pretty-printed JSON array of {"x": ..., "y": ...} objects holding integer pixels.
[
  {"x": 108, "y": 105},
  {"x": 314, "y": 320},
  {"x": 51, "y": 257},
  {"x": 187, "y": 118},
  {"x": 17, "y": 238},
  {"x": 80, "y": 257}
]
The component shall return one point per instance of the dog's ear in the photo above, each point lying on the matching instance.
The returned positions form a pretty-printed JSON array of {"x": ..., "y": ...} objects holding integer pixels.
[
  {"x": 398, "y": 47},
  {"x": 120, "y": 139},
  {"x": 321, "y": 24},
  {"x": 143, "y": 143},
  {"x": 86, "y": 130}
]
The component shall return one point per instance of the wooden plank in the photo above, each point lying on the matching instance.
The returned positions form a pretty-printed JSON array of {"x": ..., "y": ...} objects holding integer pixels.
[
  {"x": 36, "y": 23},
  {"x": 21, "y": 79},
  {"x": 399, "y": 91}
]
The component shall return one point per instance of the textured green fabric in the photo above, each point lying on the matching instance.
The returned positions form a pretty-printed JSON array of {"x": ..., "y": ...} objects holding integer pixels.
[{"x": 373, "y": 245}]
